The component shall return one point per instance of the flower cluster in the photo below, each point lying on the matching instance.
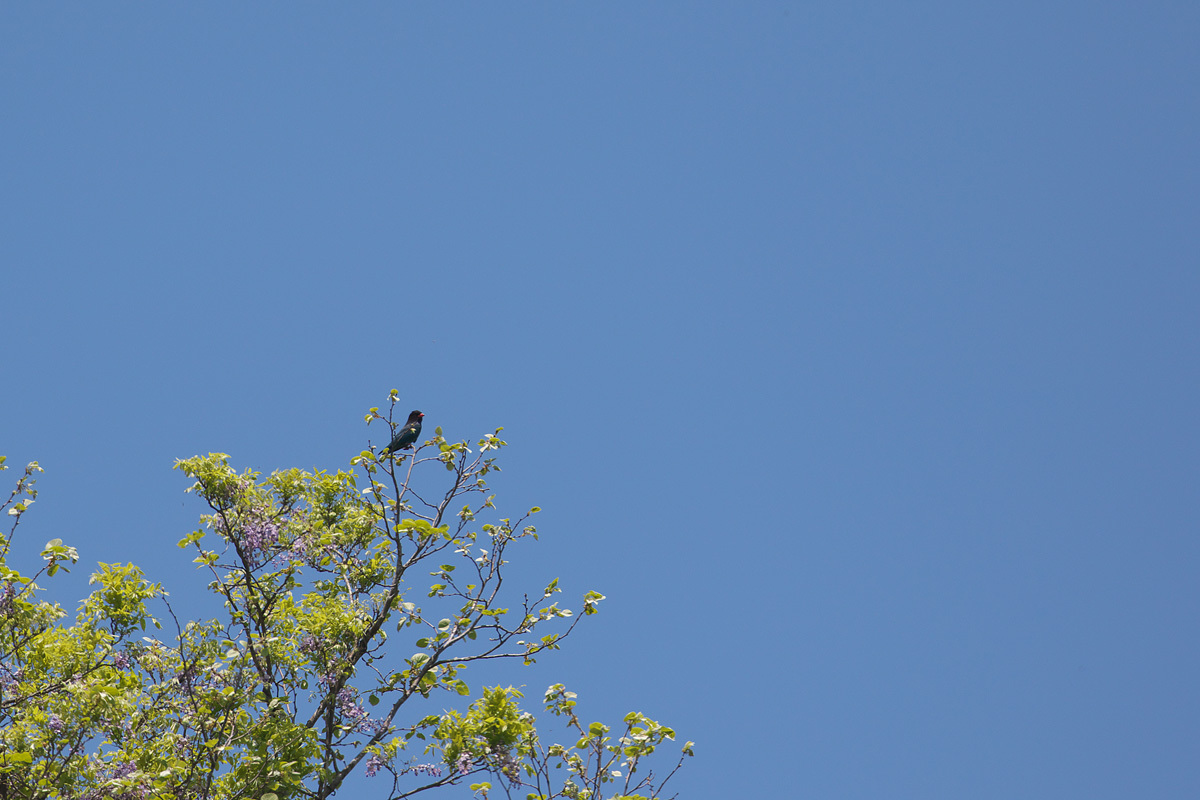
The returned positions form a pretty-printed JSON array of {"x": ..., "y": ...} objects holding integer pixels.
[
  {"x": 356, "y": 715},
  {"x": 6, "y": 598},
  {"x": 124, "y": 770},
  {"x": 300, "y": 546},
  {"x": 9, "y": 678},
  {"x": 433, "y": 770},
  {"x": 373, "y": 764},
  {"x": 508, "y": 766},
  {"x": 311, "y": 645},
  {"x": 258, "y": 536}
]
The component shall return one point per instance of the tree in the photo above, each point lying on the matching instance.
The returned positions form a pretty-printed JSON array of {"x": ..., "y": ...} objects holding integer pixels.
[{"x": 329, "y": 644}]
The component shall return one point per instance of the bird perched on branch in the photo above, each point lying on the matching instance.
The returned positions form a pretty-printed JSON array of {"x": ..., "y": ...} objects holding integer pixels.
[{"x": 405, "y": 437}]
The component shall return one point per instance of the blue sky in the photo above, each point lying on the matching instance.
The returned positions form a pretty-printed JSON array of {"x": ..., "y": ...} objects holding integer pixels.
[{"x": 850, "y": 348}]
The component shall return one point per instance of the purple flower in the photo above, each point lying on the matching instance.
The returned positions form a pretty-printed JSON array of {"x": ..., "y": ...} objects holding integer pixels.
[
  {"x": 124, "y": 770},
  {"x": 55, "y": 723},
  {"x": 354, "y": 713},
  {"x": 300, "y": 546},
  {"x": 463, "y": 763},
  {"x": 121, "y": 660},
  {"x": 509, "y": 767},
  {"x": 349, "y": 705},
  {"x": 259, "y": 535},
  {"x": 373, "y": 764},
  {"x": 418, "y": 769},
  {"x": 9, "y": 678},
  {"x": 6, "y": 598}
]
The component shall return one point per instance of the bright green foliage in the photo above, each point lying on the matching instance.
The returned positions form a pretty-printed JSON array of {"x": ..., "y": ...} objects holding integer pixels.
[
  {"x": 332, "y": 638},
  {"x": 491, "y": 734},
  {"x": 597, "y": 759}
]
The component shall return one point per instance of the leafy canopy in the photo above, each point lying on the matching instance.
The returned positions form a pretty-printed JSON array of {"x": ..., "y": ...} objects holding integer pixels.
[{"x": 332, "y": 644}]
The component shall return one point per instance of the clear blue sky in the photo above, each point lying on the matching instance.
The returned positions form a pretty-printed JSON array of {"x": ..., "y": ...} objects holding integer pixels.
[{"x": 851, "y": 348}]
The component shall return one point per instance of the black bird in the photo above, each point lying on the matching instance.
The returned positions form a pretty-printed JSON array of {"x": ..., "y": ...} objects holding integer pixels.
[{"x": 407, "y": 435}]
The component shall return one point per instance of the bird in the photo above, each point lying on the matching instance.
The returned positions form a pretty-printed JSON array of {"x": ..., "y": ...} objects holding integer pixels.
[{"x": 407, "y": 435}]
